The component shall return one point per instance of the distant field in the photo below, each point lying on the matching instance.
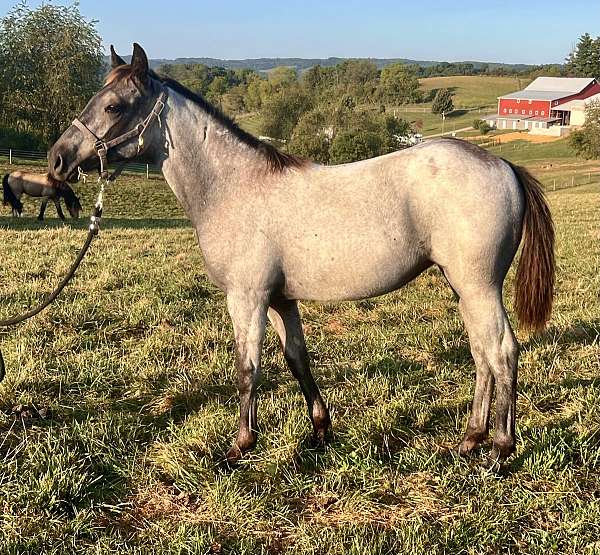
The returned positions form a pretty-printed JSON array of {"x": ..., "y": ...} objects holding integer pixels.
[
  {"x": 120, "y": 401},
  {"x": 473, "y": 91},
  {"x": 250, "y": 123},
  {"x": 474, "y": 97}
]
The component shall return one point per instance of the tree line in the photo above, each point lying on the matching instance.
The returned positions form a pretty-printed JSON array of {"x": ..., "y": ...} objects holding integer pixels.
[{"x": 51, "y": 63}]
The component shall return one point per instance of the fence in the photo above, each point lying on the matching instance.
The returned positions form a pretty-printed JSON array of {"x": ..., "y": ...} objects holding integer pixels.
[{"x": 18, "y": 157}]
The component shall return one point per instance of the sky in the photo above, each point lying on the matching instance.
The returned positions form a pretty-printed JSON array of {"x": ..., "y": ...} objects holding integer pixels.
[{"x": 526, "y": 31}]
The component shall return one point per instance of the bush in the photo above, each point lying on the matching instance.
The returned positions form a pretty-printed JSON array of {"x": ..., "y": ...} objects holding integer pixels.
[
  {"x": 586, "y": 141},
  {"x": 350, "y": 146},
  {"x": 477, "y": 123}
]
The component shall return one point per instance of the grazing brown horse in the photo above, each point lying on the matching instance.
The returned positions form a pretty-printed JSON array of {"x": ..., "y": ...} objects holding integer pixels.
[
  {"x": 17, "y": 183},
  {"x": 275, "y": 229}
]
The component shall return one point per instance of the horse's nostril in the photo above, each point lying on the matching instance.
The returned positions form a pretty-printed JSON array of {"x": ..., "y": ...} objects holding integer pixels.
[{"x": 58, "y": 163}]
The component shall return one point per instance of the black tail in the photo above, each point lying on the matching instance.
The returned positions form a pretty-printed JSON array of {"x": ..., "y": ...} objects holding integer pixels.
[{"x": 9, "y": 196}]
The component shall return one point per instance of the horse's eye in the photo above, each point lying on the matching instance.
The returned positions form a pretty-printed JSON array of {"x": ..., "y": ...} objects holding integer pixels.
[{"x": 112, "y": 109}]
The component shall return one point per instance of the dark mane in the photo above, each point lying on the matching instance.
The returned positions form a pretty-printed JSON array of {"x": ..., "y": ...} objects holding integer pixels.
[
  {"x": 55, "y": 183},
  {"x": 277, "y": 161}
]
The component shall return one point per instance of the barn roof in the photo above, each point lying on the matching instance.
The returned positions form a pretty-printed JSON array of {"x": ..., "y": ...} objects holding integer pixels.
[
  {"x": 551, "y": 88},
  {"x": 571, "y": 85}
]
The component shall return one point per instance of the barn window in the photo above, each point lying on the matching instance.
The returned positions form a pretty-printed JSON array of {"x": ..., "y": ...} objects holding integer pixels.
[
  {"x": 542, "y": 112},
  {"x": 505, "y": 110},
  {"x": 537, "y": 112},
  {"x": 523, "y": 112},
  {"x": 530, "y": 112},
  {"x": 530, "y": 102},
  {"x": 518, "y": 101},
  {"x": 510, "y": 111}
]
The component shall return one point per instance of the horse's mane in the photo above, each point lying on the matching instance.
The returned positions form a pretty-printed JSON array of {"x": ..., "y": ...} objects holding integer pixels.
[
  {"x": 277, "y": 161},
  {"x": 8, "y": 195}
]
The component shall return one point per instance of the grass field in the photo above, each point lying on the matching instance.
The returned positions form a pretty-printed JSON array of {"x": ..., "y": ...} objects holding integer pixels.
[
  {"x": 473, "y": 91},
  {"x": 120, "y": 402}
]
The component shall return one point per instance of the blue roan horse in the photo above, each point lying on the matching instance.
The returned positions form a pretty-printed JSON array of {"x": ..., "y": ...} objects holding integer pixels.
[{"x": 275, "y": 229}]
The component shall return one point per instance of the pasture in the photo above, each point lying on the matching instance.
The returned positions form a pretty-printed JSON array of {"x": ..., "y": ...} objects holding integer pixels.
[{"x": 120, "y": 402}]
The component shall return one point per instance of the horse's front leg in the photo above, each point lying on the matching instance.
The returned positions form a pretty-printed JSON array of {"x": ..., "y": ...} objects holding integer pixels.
[
  {"x": 248, "y": 311},
  {"x": 59, "y": 211},
  {"x": 43, "y": 209}
]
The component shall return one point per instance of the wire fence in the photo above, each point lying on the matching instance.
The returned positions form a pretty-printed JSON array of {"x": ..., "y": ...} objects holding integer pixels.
[{"x": 17, "y": 157}]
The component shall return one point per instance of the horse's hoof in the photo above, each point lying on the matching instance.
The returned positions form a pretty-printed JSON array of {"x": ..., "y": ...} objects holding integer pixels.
[
  {"x": 234, "y": 455},
  {"x": 318, "y": 439},
  {"x": 470, "y": 442}
]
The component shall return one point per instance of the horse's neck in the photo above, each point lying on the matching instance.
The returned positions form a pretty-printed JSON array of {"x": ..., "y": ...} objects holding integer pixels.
[{"x": 204, "y": 160}]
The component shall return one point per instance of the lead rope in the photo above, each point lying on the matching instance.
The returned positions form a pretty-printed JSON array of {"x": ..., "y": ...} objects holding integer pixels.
[{"x": 93, "y": 230}]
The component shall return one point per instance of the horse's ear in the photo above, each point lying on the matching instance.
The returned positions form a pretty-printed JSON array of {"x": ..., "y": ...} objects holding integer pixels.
[
  {"x": 139, "y": 64},
  {"x": 115, "y": 59}
]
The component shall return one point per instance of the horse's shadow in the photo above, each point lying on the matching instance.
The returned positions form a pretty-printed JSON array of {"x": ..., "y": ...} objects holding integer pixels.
[{"x": 30, "y": 224}]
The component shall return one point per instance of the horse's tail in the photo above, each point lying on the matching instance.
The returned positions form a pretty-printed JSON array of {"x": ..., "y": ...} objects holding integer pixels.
[
  {"x": 9, "y": 195},
  {"x": 535, "y": 273}
]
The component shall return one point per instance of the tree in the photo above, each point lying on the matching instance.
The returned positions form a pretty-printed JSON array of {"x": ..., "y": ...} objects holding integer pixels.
[
  {"x": 216, "y": 89},
  {"x": 350, "y": 146},
  {"x": 584, "y": 61},
  {"x": 51, "y": 63},
  {"x": 312, "y": 136},
  {"x": 399, "y": 84},
  {"x": 586, "y": 141},
  {"x": 232, "y": 101},
  {"x": 282, "y": 111},
  {"x": 282, "y": 77},
  {"x": 442, "y": 103}
]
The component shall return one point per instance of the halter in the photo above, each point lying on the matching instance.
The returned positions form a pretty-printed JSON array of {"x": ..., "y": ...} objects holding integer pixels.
[{"x": 102, "y": 147}]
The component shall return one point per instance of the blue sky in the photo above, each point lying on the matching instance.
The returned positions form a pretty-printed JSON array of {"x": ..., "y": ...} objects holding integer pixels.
[{"x": 532, "y": 31}]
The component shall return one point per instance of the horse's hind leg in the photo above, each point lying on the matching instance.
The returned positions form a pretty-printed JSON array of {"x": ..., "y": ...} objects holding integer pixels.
[
  {"x": 495, "y": 351},
  {"x": 248, "y": 311},
  {"x": 285, "y": 317}
]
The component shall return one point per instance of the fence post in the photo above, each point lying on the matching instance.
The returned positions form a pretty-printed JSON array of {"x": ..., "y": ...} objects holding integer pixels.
[
  {"x": 555, "y": 184},
  {"x": 10, "y": 156},
  {"x": 147, "y": 171},
  {"x": 572, "y": 180}
]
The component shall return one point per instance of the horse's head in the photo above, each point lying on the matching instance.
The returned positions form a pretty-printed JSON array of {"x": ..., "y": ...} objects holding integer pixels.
[
  {"x": 127, "y": 99},
  {"x": 71, "y": 201}
]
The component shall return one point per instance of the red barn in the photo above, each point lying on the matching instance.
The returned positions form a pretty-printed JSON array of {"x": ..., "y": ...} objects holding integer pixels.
[{"x": 538, "y": 106}]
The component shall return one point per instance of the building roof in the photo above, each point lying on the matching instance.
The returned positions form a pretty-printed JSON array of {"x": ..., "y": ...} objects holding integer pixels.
[
  {"x": 571, "y": 85},
  {"x": 578, "y": 104},
  {"x": 551, "y": 88},
  {"x": 529, "y": 94}
]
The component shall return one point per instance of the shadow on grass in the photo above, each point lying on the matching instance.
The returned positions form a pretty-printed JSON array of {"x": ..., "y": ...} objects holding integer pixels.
[{"x": 27, "y": 224}]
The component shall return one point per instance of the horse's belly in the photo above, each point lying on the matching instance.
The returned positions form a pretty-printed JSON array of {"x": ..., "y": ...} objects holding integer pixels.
[{"x": 350, "y": 274}]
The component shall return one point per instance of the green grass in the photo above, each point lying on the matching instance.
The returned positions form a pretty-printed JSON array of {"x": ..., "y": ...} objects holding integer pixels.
[
  {"x": 120, "y": 402},
  {"x": 474, "y": 97},
  {"x": 250, "y": 122},
  {"x": 473, "y": 91}
]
